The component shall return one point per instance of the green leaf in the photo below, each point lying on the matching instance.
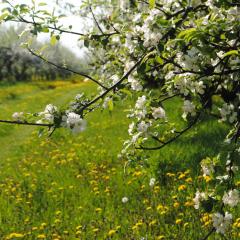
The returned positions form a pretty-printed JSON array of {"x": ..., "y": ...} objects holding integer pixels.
[
  {"x": 53, "y": 40},
  {"x": 45, "y": 30},
  {"x": 3, "y": 16},
  {"x": 229, "y": 53},
  {"x": 159, "y": 60},
  {"x": 187, "y": 34},
  {"x": 152, "y": 3},
  {"x": 42, "y": 4},
  {"x": 127, "y": 92}
]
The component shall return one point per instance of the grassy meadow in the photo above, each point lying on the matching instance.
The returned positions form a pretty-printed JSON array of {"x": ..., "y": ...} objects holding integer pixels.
[{"x": 71, "y": 186}]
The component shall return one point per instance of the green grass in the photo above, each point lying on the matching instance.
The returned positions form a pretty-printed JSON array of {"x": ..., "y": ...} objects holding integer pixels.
[{"x": 71, "y": 186}]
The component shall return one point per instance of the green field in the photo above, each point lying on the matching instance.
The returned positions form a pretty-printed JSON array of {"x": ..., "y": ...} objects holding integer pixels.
[{"x": 71, "y": 186}]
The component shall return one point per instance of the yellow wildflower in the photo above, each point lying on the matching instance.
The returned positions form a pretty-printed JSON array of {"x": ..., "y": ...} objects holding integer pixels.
[
  {"x": 41, "y": 236},
  {"x": 182, "y": 188},
  {"x": 178, "y": 221},
  {"x": 111, "y": 232},
  {"x": 16, "y": 235}
]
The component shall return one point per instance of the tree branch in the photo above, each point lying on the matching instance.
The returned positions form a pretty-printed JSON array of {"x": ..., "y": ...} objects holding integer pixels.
[
  {"x": 95, "y": 20},
  {"x": 180, "y": 133},
  {"x": 26, "y": 123},
  {"x": 62, "y": 30},
  {"x": 66, "y": 69}
]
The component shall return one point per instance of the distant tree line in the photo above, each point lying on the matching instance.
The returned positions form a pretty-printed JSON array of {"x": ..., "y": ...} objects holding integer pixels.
[{"x": 17, "y": 64}]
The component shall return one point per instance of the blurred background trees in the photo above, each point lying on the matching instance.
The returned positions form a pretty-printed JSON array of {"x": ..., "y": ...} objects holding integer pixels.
[{"x": 18, "y": 65}]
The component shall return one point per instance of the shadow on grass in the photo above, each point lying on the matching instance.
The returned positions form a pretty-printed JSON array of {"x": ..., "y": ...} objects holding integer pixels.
[{"x": 205, "y": 140}]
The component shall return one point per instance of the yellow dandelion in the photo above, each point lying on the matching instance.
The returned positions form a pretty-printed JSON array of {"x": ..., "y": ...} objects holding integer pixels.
[
  {"x": 188, "y": 204},
  {"x": 207, "y": 178},
  {"x": 16, "y": 235},
  {"x": 178, "y": 221},
  {"x": 189, "y": 180},
  {"x": 176, "y": 204},
  {"x": 137, "y": 174},
  {"x": 78, "y": 227},
  {"x": 134, "y": 227},
  {"x": 98, "y": 209},
  {"x": 43, "y": 225},
  {"x": 41, "y": 236},
  {"x": 153, "y": 222},
  {"x": 181, "y": 176},
  {"x": 170, "y": 174},
  {"x": 138, "y": 224},
  {"x": 118, "y": 227},
  {"x": 185, "y": 225},
  {"x": 57, "y": 221},
  {"x": 78, "y": 232},
  {"x": 111, "y": 232},
  {"x": 206, "y": 224},
  {"x": 182, "y": 188}
]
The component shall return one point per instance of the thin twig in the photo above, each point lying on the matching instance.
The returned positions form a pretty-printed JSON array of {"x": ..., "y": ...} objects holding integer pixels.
[
  {"x": 208, "y": 235},
  {"x": 66, "y": 69},
  {"x": 95, "y": 20},
  {"x": 26, "y": 123}
]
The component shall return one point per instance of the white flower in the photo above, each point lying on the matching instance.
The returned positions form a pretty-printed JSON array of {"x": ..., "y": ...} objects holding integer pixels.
[
  {"x": 124, "y": 200},
  {"x": 50, "y": 109},
  {"x": 207, "y": 168},
  {"x": 199, "y": 87},
  {"x": 199, "y": 196},
  {"x": 18, "y": 116},
  {"x": 188, "y": 108},
  {"x": 227, "y": 111},
  {"x": 128, "y": 66},
  {"x": 141, "y": 102},
  {"x": 140, "y": 113},
  {"x": 220, "y": 54},
  {"x": 221, "y": 223},
  {"x": 130, "y": 128},
  {"x": 231, "y": 198},
  {"x": 183, "y": 84},
  {"x": 135, "y": 84},
  {"x": 135, "y": 137},
  {"x": 74, "y": 122},
  {"x": 222, "y": 178},
  {"x": 158, "y": 113},
  {"x": 79, "y": 96},
  {"x": 143, "y": 127},
  {"x": 140, "y": 107},
  {"x": 49, "y": 112},
  {"x": 114, "y": 79},
  {"x": 233, "y": 117},
  {"x": 152, "y": 182}
]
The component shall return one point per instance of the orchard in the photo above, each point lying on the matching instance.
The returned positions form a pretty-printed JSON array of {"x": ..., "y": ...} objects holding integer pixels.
[{"x": 184, "y": 53}]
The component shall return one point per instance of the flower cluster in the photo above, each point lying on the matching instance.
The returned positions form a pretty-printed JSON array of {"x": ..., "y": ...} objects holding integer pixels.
[{"x": 74, "y": 122}]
